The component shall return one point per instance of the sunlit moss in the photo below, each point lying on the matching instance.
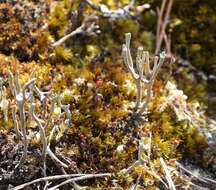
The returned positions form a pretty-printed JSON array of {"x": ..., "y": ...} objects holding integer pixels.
[
  {"x": 101, "y": 95},
  {"x": 194, "y": 22},
  {"x": 61, "y": 55},
  {"x": 58, "y": 19}
]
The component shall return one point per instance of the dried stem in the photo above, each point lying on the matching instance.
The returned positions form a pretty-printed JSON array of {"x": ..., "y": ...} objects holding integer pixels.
[
  {"x": 204, "y": 180},
  {"x": 88, "y": 28},
  {"x": 66, "y": 37},
  {"x": 159, "y": 21},
  {"x": 44, "y": 179},
  {"x": 87, "y": 176},
  {"x": 162, "y": 23}
]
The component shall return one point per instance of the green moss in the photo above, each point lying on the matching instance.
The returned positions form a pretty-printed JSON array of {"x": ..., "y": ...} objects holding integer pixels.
[
  {"x": 59, "y": 18},
  {"x": 62, "y": 55},
  {"x": 100, "y": 106},
  {"x": 195, "y": 19}
]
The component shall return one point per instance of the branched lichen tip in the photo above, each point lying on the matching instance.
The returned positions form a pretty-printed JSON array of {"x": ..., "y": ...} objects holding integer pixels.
[{"x": 163, "y": 54}]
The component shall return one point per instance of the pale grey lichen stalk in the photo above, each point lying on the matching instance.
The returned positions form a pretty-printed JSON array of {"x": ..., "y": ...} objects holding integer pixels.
[
  {"x": 141, "y": 72},
  {"x": 21, "y": 96},
  {"x": 56, "y": 103},
  {"x": 42, "y": 137},
  {"x": 29, "y": 92},
  {"x": 16, "y": 124},
  {"x": 4, "y": 103}
]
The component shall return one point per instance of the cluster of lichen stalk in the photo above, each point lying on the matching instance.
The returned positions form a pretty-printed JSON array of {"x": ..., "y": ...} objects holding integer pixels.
[
  {"x": 25, "y": 94},
  {"x": 142, "y": 72}
]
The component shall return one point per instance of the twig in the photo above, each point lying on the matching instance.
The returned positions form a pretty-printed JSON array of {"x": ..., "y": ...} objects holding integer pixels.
[
  {"x": 74, "y": 184},
  {"x": 167, "y": 174},
  {"x": 73, "y": 33},
  {"x": 87, "y": 176},
  {"x": 46, "y": 179},
  {"x": 162, "y": 24},
  {"x": 199, "y": 178},
  {"x": 88, "y": 28},
  {"x": 167, "y": 41},
  {"x": 159, "y": 21}
]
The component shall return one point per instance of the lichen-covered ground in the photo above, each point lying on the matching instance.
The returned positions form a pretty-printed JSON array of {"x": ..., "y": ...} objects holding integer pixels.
[{"x": 87, "y": 115}]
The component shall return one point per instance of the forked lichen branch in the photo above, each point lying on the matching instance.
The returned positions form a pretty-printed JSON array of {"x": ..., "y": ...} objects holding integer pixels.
[{"x": 141, "y": 72}]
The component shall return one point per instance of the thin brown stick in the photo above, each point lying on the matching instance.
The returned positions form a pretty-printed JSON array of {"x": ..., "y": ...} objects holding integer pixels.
[
  {"x": 168, "y": 44},
  {"x": 163, "y": 27},
  {"x": 159, "y": 21}
]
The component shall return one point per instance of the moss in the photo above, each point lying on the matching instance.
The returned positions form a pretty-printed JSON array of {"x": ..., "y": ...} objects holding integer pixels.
[
  {"x": 59, "y": 19},
  {"x": 21, "y": 38},
  {"x": 195, "y": 18},
  {"x": 102, "y": 99},
  {"x": 62, "y": 55}
]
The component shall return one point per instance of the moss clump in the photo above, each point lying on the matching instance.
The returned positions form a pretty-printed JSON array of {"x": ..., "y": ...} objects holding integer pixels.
[
  {"x": 193, "y": 42},
  {"x": 22, "y": 30}
]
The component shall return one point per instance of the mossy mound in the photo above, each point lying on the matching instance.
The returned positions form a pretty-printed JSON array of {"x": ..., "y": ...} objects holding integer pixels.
[
  {"x": 103, "y": 137},
  {"x": 87, "y": 73}
]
